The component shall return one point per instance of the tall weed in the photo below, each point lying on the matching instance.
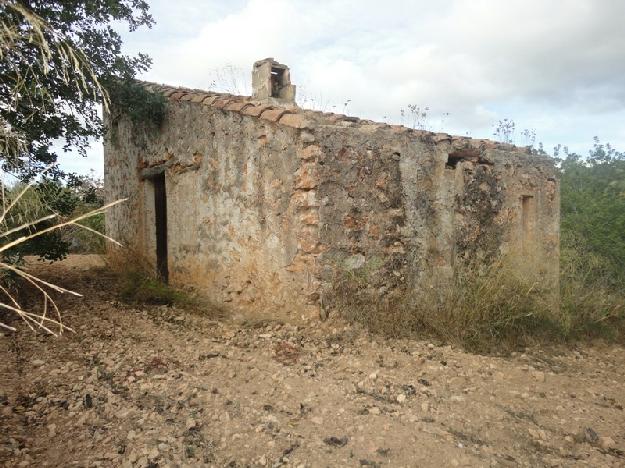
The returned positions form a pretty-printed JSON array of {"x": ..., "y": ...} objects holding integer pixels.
[{"x": 499, "y": 309}]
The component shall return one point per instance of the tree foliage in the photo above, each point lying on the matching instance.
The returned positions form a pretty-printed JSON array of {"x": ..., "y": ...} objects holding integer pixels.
[
  {"x": 59, "y": 59},
  {"x": 593, "y": 206}
]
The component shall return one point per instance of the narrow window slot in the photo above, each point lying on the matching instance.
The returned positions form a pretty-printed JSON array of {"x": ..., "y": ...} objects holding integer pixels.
[{"x": 528, "y": 216}]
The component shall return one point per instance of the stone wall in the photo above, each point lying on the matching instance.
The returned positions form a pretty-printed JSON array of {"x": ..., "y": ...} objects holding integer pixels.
[
  {"x": 269, "y": 207},
  {"x": 401, "y": 210},
  {"x": 239, "y": 205}
]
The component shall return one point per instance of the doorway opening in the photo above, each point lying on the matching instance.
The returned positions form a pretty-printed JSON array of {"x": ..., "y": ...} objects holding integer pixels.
[{"x": 160, "y": 218}]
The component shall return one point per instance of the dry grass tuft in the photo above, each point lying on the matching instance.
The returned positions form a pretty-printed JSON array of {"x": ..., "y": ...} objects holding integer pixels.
[{"x": 497, "y": 310}]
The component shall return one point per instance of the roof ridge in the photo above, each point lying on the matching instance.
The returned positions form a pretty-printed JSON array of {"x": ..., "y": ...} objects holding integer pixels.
[{"x": 299, "y": 118}]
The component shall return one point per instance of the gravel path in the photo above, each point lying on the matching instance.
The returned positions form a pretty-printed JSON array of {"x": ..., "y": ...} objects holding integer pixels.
[{"x": 158, "y": 387}]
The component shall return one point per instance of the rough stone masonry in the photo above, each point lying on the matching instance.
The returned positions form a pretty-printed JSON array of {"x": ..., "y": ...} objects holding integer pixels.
[{"x": 263, "y": 206}]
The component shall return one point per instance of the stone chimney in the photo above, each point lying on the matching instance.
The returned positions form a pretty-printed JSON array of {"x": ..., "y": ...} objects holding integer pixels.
[{"x": 271, "y": 82}]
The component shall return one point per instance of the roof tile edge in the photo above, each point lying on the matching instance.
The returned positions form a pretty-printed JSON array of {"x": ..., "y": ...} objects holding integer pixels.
[{"x": 297, "y": 118}]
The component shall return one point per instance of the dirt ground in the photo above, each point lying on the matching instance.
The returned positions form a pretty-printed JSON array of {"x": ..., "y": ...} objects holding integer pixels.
[{"x": 157, "y": 386}]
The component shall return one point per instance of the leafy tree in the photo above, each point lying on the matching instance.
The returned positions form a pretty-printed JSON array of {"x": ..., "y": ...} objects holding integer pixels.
[
  {"x": 593, "y": 206},
  {"x": 59, "y": 59}
]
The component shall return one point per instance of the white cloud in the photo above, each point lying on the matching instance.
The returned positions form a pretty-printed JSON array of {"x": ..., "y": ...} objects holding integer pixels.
[{"x": 92, "y": 162}]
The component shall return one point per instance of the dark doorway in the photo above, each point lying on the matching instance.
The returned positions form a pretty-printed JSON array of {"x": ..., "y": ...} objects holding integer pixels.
[{"x": 160, "y": 217}]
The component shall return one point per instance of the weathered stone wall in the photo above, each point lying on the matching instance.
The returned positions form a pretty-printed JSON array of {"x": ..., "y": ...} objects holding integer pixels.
[
  {"x": 401, "y": 210},
  {"x": 270, "y": 207},
  {"x": 240, "y": 208}
]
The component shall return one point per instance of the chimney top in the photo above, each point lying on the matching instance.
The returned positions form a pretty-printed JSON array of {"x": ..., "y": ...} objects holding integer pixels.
[{"x": 271, "y": 82}]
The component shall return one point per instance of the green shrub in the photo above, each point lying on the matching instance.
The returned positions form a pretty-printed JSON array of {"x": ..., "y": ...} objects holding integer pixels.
[
  {"x": 139, "y": 288},
  {"x": 593, "y": 210},
  {"x": 45, "y": 198},
  {"x": 592, "y": 298},
  {"x": 83, "y": 241}
]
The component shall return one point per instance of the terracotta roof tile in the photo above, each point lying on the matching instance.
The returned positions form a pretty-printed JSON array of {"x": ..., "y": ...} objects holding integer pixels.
[
  {"x": 441, "y": 137},
  {"x": 421, "y": 133},
  {"x": 255, "y": 111},
  {"x": 237, "y": 106},
  {"x": 330, "y": 117},
  {"x": 210, "y": 99},
  {"x": 299, "y": 118},
  {"x": 220, "y": 103},
  {"x": 372, "y": 127},
  {"x": 199, "y": 97},
  {"x": 399, "y": 129},
  {"x": 487, "y": 143},
  {"x": 273, "y": 115}
]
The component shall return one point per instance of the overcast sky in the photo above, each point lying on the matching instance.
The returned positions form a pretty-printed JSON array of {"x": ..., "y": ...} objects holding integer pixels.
[{"x": 553, "y": 66}]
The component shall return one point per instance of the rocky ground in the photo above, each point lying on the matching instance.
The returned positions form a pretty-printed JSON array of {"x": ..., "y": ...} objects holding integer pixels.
[{"x": 155, "y": 386}]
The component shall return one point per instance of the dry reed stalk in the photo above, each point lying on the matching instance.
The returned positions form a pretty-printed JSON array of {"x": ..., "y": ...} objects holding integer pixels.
[
  {"x": 54, "y": 52},
  {"x": 39, "y": 320}
]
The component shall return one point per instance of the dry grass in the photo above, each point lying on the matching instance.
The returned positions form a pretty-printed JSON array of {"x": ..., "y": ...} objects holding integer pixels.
[
  {"x": 139, "y": 285},
  {"x": 498, "y": 310}
]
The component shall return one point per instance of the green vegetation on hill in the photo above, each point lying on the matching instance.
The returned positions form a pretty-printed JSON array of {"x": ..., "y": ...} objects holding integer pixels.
[
  {"x": 79, "y": 195},
  {"x": 593, "y": 210}
]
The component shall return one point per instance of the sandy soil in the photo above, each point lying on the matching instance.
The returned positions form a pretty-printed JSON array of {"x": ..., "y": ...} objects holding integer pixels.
[{"x": 156, "y": 386}]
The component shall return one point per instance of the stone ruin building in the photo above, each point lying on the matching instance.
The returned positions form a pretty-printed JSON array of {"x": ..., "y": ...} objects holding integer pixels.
[{"x": 263, "y": 206}]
